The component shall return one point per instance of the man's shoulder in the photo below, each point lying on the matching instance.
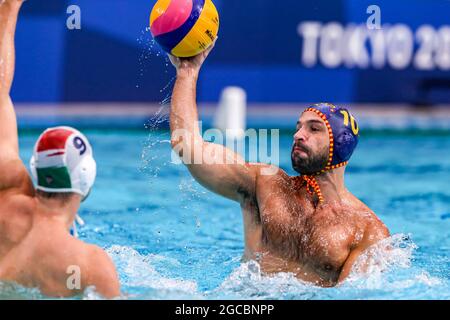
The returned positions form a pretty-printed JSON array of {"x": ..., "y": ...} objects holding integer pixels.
[
  {"x": 359, "y": 207},
  {"x": 96, "y": 254},
  {"x": 269, "y": 179},
  {"x": 102, "y": 273},
  {"x": 16, "y": 213},
  {"x": 373, "y": 227},
  {"x": 15, "y": 177},
  {"x": 90, "y": 259},
  {"x": 14, "y": 201},
  {"x": 268, "y": 173},
  {"x": 85, "y": 254},
  {"x": 16, "y": 191},
  {"x": 98, "y": 259},
  {"x": 70, "y": 257}
]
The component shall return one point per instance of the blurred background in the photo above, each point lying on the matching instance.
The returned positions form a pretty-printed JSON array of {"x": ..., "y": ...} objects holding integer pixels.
[{"x": 282, "y": 53}]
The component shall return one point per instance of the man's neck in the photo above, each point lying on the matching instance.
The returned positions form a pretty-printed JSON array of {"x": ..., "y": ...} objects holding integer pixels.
[
  {"x": 61, "y": 212},
  {"x": 332, "y": 185}
]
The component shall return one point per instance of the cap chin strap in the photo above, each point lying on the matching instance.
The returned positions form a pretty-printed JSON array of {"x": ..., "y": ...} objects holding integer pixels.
[
  {"x": 78, "y": 221},
  {"x": 312, "y": 186}
]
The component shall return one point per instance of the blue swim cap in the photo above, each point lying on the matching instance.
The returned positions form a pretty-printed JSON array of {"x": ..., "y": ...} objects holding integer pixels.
[{"x": 343, "y": 131}]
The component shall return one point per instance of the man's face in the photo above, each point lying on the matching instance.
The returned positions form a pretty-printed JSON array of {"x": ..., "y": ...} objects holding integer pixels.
[{"x": 310, "y": 150}]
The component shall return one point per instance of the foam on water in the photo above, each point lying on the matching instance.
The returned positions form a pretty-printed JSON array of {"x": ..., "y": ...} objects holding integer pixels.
[
  {"x": 247, "y": 282},
  {"x": 389, "y": 266},
  {"x": 12, "y": 291},
  {"x": 389, "y": 269},
  {"x": 138, "y": 271}
]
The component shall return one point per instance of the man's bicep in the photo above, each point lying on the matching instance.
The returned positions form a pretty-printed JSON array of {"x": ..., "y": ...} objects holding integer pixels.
[
  {"x": 349, "y": 263},
  {"x": 224, "y": 172},
  {"x": 228, "y": 181},
  {"x": 13, "y": 173},
  {"x": 9, "y": 145}
]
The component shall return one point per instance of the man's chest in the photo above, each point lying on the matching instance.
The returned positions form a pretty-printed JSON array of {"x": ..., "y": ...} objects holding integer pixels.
[{"x": 294, "y": 229}]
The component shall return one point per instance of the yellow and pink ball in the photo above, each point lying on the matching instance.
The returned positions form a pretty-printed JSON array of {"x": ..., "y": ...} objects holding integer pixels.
[{"x": 184, "y": 28}]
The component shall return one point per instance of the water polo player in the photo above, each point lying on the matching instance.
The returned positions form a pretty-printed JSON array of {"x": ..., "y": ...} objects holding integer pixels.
[
  {"x": 309, "y": 224},
  {"x": 36, "y": 247}
]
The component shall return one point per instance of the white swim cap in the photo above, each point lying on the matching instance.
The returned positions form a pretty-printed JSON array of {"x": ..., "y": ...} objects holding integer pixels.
[{"x": 62, "y": 161}]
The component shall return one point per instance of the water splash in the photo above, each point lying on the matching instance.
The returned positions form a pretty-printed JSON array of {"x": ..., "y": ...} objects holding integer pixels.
[
  {"x": 393, "y": 252},
  {"x": 137, "y": 271},
  {"x": 390, "y": 272},
  {"x": 13, "y": 291},
  {"x": 91, "y": 294},
  {"x": 150, "y": 156},
  {"x": 388, "y": 266},
  {"x": 156, "y": 153},
  {"x": 149, "y": 49},
  {"x": 247, "y": 282}
]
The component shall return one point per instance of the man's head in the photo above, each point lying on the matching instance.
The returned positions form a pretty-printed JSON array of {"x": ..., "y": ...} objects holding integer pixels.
[
  {"x": 325, "y": 138},
  {"x": 63, "y": 163}
]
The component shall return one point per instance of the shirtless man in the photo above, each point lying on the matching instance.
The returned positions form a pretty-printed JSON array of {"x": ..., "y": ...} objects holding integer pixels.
[
  {"x": 310, "y": 224},
  {"x": 36, "y": 247}
]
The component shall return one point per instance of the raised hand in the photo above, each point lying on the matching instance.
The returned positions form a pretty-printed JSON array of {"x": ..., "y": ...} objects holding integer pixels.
[{"x": 193, "y": 63}]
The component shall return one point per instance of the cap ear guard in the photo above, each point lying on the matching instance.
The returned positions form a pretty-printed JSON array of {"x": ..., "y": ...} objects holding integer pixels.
[
  {"x": 86, "y": 173},
  {"x": 33, "y": 168},
  {"x": 345, "y": 145}
]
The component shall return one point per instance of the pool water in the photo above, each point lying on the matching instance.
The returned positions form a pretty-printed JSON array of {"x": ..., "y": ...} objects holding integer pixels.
[{"x": 170, "y": 238}]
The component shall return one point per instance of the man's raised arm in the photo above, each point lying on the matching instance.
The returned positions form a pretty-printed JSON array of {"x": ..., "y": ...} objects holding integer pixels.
[
  {"x": 215, "y": 167},
  {"x": 13, "y": 173},
  {"x": 9, "y": 148}
]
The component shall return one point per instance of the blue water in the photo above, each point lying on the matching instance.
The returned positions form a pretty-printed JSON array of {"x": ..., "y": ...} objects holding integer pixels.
[{"x": 170, "y": 238}]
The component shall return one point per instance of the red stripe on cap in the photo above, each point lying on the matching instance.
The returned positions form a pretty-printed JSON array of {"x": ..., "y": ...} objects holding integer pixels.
[
  {"x": 56, "y": 154},
  {"x": 54, "y": 139}
]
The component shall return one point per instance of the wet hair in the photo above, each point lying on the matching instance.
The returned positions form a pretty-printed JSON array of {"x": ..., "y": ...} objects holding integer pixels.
[{"x": 62, "y": 196}]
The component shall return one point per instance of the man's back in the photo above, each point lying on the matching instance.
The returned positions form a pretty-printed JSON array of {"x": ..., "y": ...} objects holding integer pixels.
[
  {"x": 36, "y": 252},
  {"x": 36, "y": 248}
]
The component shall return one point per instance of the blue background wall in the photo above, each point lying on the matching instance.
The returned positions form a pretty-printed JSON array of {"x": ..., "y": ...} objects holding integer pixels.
[{"x": 111, "y": 58}]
